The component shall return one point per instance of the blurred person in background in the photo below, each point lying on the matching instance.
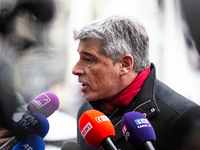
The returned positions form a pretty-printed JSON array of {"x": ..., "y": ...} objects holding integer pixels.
[
  {"x": 117, "y": 77},
  {"x": 13, "y": 44},
  {"x": 190, "y": 13}
]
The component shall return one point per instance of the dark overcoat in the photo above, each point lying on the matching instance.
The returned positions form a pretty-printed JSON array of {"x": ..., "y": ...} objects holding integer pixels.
[{"x": 175, "y": 119}]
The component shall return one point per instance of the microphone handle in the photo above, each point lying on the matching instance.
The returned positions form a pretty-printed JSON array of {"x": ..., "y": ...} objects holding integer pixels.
[
  {"x": 146, "y": 146},
  {"x": 107, "y": 144},
  {"x": 10, "y": 144}
]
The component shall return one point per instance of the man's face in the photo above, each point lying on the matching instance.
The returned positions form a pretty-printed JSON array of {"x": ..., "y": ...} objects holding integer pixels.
[{"x": 98, "y": 76}]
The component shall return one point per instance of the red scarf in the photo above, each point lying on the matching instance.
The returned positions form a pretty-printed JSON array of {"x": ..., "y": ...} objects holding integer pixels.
[{"x": 126, "y": 96}]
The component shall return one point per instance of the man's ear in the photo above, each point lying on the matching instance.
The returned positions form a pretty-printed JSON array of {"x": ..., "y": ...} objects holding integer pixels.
[{"x": 127, "y": 63}]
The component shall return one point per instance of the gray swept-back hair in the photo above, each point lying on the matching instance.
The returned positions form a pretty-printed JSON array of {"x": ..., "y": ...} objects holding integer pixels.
[{"x": 119, "y": 35}]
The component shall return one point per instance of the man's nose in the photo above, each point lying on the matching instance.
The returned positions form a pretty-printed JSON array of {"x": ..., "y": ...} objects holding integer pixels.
[{"x": 77, "y": 70}]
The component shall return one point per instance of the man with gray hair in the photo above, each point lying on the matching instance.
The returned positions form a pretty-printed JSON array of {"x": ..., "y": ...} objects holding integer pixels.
[{"x": 117, "y": 77}]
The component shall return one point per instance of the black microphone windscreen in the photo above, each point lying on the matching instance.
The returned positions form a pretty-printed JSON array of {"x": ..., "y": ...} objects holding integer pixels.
[{"x": 71, "y": 146}]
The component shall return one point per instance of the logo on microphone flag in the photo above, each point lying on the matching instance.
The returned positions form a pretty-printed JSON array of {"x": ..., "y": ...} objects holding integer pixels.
[
  {"x": 100, "y": 119},
  {"x": 142, "y": 122},
  {"x": 41, "y": 100},
  {"x": 86, "y": 129},
  {"x": 125, "y": 132}
]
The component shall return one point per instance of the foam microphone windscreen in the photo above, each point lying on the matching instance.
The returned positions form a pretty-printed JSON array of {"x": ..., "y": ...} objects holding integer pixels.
[
  {"x": 95, "y": 127},
  {"x": 45, "y": 103},
  {"x": 32, "y": 142},
  {"x": 71, "y": 146},
  {"x": 34, "y": 123},
  {"x": 137, "y": 129}
]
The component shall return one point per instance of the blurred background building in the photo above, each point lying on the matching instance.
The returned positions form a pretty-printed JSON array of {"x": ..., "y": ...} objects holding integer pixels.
[{"x": 46, "y": 65}]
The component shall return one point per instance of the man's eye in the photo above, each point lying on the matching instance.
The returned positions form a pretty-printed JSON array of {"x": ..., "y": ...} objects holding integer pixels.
[{"x": 88, "y": 60}]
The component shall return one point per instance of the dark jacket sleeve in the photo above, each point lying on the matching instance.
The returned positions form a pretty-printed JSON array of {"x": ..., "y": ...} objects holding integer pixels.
[{"x": 184, "y": 130}]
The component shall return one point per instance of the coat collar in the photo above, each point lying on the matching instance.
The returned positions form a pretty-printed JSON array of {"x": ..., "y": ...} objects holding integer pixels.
[{"x": 144, "y": 102}]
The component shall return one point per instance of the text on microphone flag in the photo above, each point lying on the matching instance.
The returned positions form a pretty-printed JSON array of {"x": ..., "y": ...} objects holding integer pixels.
[
  {"x": 100, "y": 119},
  {"x": 86, "y": 129},
  {"x": 141, "y": 121},
  {"x": 41, "y": 100}
]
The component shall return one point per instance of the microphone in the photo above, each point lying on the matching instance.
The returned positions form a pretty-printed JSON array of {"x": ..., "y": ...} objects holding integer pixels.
[
  {"x": 97, "y": 129},
  {"x": 46, "y": 103},
  {"x": 138, "y": 131},
  {"x": 34, "y": 123},
  {"x": 32, "y": 142},
  {"x": 71, "y": 146}
]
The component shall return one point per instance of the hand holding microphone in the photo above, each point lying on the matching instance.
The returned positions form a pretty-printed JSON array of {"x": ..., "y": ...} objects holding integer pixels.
[
  {"x": 32, "y": 142},
  {"x": 97, "y": 129},
  {"x": 5, "y": 135},
  {"x": 138, "y": 131},
  {"x": 34, "y": 123},
  {"x": 44, "y": 105}
]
